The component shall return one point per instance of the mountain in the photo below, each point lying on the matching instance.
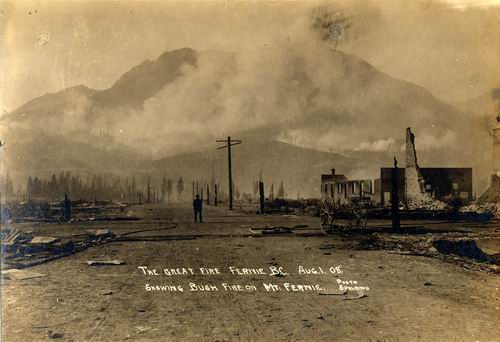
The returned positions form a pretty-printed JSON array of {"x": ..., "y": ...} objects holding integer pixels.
[
  {"x": 130, "y": 90},
  {"x": 56, "y": 132},
  {"x": 327, "y": 100},
  {"x": 145, "y": 80}
]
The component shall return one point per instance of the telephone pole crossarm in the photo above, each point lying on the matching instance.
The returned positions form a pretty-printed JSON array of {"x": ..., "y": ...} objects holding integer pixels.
[{"x": 225, "y": 146}]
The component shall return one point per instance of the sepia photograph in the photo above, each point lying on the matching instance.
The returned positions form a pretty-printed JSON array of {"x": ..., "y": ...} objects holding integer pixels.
[{"x": 250, "y": 170}]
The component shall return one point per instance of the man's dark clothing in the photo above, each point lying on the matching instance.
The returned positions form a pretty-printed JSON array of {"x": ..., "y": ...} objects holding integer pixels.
[
  {"x": 66, "y": 208},
  {"x": 198, "y": 208}
]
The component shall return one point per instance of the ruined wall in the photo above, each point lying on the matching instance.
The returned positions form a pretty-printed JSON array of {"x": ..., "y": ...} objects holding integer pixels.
[
  {"x": 414, "y": 182},
  {"x": 492, "y": 194}
]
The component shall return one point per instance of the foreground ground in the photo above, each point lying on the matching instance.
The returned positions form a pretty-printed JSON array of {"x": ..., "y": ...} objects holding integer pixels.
[{"x": 410, "y": 297}]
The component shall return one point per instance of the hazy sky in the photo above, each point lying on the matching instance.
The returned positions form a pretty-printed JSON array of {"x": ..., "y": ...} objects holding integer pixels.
[{"x": 451, "y": 48}]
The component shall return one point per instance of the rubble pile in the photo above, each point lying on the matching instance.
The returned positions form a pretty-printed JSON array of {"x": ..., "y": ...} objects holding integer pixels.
[
  {"x": 473, "y": 251},
  {"x": 429, "y": 204},
  {"x": 23, "y": 249},
  {"x": 492, "y": 194},
  {"x": 308, "y": 207},
  {"x": 492, "y": 209},
  {"x": 30, "y": 211},
  {"x": 312, "y": 210},
  {"x": 467, "y": 248},
  {"x": 43, "y": 211}
]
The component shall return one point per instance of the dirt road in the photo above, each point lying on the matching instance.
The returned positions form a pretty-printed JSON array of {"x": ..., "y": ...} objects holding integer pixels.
[{"x": 410, "y": 298}]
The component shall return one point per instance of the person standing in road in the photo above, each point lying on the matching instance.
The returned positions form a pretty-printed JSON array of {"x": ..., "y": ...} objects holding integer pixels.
[
  {"x": 66, "y": 208},
  {"x": 198, "y": 208}
]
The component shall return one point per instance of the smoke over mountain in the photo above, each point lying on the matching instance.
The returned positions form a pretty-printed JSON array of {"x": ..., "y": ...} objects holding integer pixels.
[{"x": 300, "y": 88}]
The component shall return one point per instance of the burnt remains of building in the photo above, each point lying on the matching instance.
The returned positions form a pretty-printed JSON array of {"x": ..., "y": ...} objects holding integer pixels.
[
  {"x": 492, "y": 194},
  {"x": 342, "y": 190},
  {"x": 441, "y": 183},
  {"x": 425, "y": 187}
]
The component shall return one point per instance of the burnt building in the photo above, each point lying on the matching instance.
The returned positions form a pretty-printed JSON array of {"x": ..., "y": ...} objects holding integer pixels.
[
  {"x": 440, "y": 183},
  {"x": 342, "y": 190},
  {"x": 425, "y": 187},
  {"x": 492, "y": 194}
]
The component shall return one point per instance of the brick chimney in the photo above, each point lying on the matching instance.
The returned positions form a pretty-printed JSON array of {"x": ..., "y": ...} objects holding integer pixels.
[
  {"x": 496, "y": 147},
  {"x": 333, "y": 172}
]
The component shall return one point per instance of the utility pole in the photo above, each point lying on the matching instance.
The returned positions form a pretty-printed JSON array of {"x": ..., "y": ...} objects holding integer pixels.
[
  {"x": 149, "y": 190},
  {"x": 215, "y": 194},
  {"x": 396, "y": 223},
  {"x": 228, "y": 145},
  {"x": 261, "y": 197}
]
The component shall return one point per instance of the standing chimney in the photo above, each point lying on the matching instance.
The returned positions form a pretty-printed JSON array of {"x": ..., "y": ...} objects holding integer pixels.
[
  {"x": 496, "y": 147},
  {"x": 333, "y": 171}
]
